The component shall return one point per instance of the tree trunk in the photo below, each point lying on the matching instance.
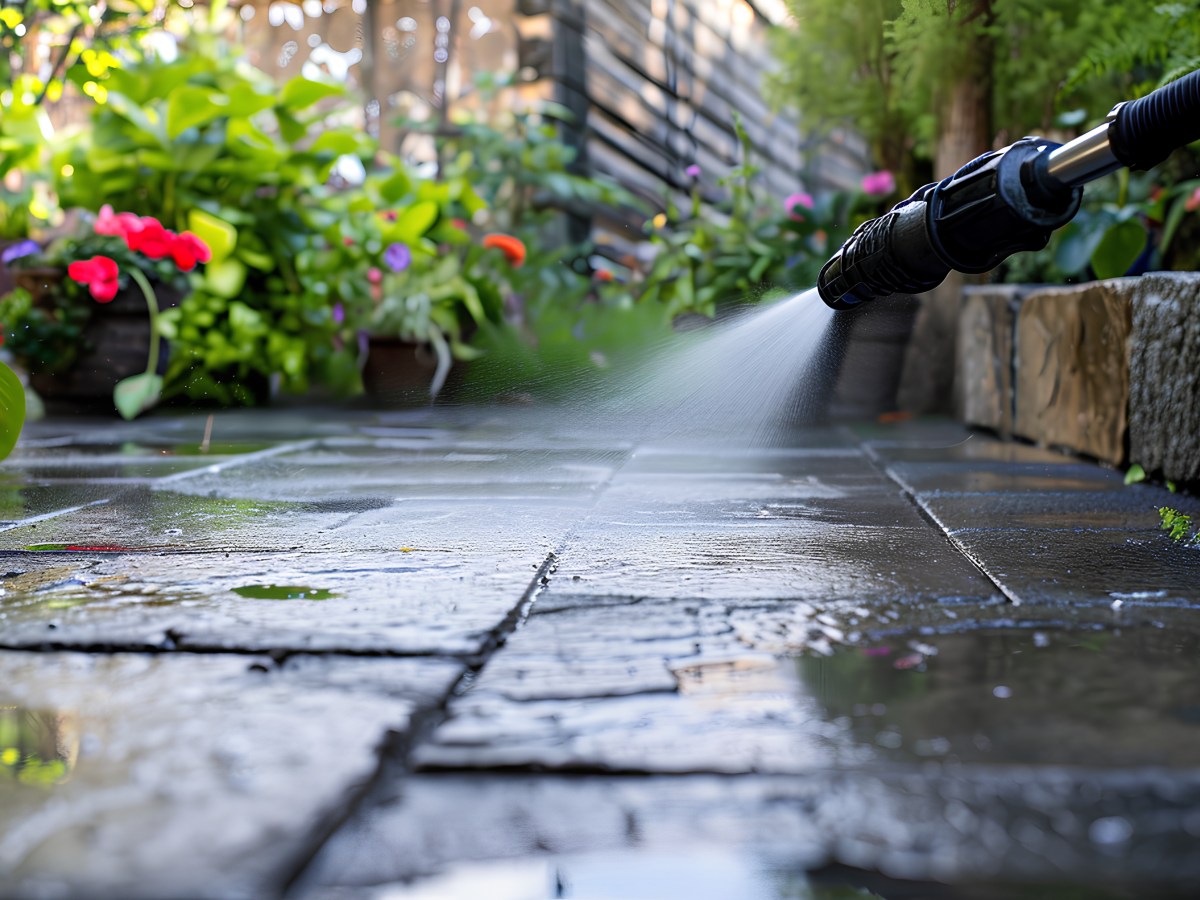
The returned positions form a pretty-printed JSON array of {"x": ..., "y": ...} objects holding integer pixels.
[
  {"x": 965, "y": 117},
  {"x": 965, "y": 123}
]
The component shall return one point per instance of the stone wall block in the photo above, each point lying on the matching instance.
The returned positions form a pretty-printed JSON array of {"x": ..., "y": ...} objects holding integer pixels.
[
  {"x": 1072, "y": 368},
  {"x": 985, "y": 355},
  {"x": 1164, "y": 400}
]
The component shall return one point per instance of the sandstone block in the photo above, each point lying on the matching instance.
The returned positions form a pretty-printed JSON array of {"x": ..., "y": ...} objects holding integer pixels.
[
  {"x": 985, "y": 355},
  {"x": 1072, "y": 368}
]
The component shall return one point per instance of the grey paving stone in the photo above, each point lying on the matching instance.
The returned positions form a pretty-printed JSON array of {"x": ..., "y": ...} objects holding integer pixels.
[
  {"x": 21, "y": 500},
  {"x": 996, "y": 477},
  {"x": 973, "y": 447},
  {"x": 768, "y": 559},
  {"x": 1010, "y": 832},
  {"x": 1077, "y": 568},
  {"x": 424, "y": 601},
  {"x": 1125, "y": 508},
  {"x": 187, "y": 775}
]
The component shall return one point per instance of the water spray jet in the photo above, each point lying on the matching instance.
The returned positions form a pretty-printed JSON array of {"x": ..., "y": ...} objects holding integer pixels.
[{"x": 1004, "y": 202}]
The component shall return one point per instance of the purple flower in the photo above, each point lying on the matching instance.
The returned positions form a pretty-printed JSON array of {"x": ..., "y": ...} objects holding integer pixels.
[
  {"x": 339, "y": 313},
  {"x": 19, "y": 249},
  {"x": 398, "y": 257},
  {"x": 879, "y": 184},
  {"x": 692, "y": 171}
]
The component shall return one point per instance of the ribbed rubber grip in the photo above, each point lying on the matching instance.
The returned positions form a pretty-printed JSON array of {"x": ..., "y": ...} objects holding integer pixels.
[{"x": 1146, "y": 131}]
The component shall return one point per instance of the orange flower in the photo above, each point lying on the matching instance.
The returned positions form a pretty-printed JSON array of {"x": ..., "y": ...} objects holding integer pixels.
[{"x": 511, "y": 247}]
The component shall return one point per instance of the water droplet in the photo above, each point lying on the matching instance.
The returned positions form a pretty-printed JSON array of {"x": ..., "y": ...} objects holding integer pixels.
[{"x": 1110, "y": 830}]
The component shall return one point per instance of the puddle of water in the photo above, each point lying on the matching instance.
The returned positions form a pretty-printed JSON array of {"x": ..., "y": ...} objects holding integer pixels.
[
  {"x": 37, "y": 747},
  {"x": 283, "y": 592},
  {"x": 1103, "y": 698}
]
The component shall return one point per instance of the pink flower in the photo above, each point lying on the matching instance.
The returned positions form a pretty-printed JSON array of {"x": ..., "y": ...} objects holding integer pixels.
[
  {"x": 879, "y": 184},
  {"x": 800, "y": 198},
  {"x": 374, "y": 275},
  {"x": 116, "y": 224},
  {"x": 1193, "y": 202},
  {"x": 692, "y": 171},
  {"x": 100, "y": 275}
]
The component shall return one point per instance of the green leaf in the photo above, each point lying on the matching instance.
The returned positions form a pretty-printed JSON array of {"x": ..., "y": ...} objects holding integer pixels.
[
  {"x": 1119, "y": 249},
  {"x": 301, "y": 92},
  {"x": 337, "y": 143},
  {"x": 412, "y": 224},
  {"x": 1076, "y": 247},
  {"x": 190, "y": 107},
  {"x": 12, "y": 410},
  {"x": 1135, "y": 474},
  {"x": 220, "y": 236},
  {"x": 136, "y": 394},
  {"x": 290, "y": 128},
  {"x": 395, "y": 187},
  {"x": 226, "y": 278}
]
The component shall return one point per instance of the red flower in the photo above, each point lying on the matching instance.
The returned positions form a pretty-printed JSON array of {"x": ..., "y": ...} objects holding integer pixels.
[
  {"x": 118, "y": 224},
  {"x": 603, "y": 275},
  {"x": 100, "y": 275},
  {"x": 151, "y": 238},
  {"x": 187, "y": 250},
  {"x": 511, "y": 247},
  {"x": 460, "y": 224}
]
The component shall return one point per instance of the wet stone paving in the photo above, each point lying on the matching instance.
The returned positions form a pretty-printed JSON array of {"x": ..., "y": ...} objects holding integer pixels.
[{"x": 493, "y": 654}]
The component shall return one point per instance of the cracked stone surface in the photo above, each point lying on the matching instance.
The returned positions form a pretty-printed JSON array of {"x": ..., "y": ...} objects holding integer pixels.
[{"x": 401, "y": 655}]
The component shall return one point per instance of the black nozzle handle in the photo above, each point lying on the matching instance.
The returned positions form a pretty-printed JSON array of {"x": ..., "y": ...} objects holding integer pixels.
[{"x": 1148, "y": 130}]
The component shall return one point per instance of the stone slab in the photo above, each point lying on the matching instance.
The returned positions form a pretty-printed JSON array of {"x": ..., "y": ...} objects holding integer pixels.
[
  {"x": 990, "y": 833},
  {"x": 957, "y": 477},
  {"x": 986, "y": 326},
  {"x": 1120, "y": 508},
  {"x": 394, "y": 603},
  {"x": 1072, "y": 368},
  {"x": 1164, "y": 400},
  {"x": 187, "y": 775},
  {"x": 1077, "y": 568}
]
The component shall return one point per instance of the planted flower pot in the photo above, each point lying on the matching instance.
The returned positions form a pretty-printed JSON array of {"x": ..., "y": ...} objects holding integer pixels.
[
  {"x": 400, "y": 372},
  {"x": 112, "y": 346}
]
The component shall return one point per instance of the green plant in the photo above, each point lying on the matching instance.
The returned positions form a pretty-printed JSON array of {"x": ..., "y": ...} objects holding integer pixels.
[
  {"x": 12, "y": 410},
  {"x": 1177, "y": 525},
  {"x": 208, "y": 144},
  {"x": 709, "y": 259}
]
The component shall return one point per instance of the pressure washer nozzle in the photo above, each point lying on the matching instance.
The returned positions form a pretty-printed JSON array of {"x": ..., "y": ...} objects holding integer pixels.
[{"x": 1004, "y": 202}]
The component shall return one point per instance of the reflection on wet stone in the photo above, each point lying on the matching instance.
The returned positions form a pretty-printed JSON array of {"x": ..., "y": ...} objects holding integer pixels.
[
  {"x": 1100, "y": 698},
  {"x": 37, "y": 747}
]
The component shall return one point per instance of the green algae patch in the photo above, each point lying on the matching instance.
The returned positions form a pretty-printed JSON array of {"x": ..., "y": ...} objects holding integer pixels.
[{"x": 282, "y": 592}]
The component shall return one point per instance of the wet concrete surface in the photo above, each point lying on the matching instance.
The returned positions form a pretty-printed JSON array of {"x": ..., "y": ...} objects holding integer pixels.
[{"x": 502, "y": 654}]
